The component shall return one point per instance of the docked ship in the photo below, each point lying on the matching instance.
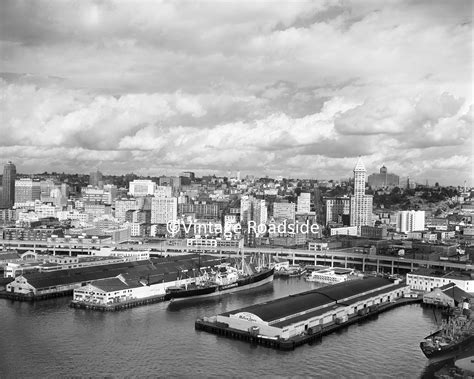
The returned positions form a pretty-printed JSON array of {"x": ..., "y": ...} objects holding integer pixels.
[
  {"x": 330, "y": 275},
  {"x": 455, "y": 334},
  {"x": 225, "y": 279},
  {"x": 292, "y": 271}
]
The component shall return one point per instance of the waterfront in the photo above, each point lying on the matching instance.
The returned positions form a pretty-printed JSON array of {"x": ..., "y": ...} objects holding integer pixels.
[{"x": 50, "y": 339}]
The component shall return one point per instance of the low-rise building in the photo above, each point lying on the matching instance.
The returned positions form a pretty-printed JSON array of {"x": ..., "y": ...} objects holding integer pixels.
[
  {"x": 427, "y": 280},
  {"x": 448, "y": 295}
]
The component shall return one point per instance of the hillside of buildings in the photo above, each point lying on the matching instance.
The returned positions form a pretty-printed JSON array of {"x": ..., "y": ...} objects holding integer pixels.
[{"x": 437, "y": 199}]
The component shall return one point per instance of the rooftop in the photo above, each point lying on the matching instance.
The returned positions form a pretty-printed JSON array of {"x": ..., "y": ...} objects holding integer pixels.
[
  {"x": 153, "y": 270},
  {"x": 110, "y": 285},
  {"x": 360, "y": 165},
  {"x": 288, "y": 306},
  {"x": 460, "y": 275}
]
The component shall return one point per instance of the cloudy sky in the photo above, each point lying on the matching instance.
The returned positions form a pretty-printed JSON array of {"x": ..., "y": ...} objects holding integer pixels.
[{"x": 292, "y": 88}]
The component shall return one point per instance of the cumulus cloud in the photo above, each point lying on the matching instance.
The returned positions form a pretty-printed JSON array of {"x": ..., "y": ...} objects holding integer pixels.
[{"x": 300, "y": 89}]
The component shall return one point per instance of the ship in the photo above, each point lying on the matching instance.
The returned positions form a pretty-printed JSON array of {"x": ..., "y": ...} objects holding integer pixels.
[
  {"x": 455, "y": 334},
  {"x": 292, "y": 271},
  {"x": 223, "y": 279}
]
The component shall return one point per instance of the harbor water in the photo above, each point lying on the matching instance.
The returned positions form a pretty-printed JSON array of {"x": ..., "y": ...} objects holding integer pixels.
[{"x": 48, "y": 338}]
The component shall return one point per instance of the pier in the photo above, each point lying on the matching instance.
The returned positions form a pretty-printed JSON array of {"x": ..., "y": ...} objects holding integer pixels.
[
  {"x": 312, "y": 336},
  {"x": 114, "y": 307},
  {"x": 31, "y": 297},
  {"x": 305, "y": 317}
]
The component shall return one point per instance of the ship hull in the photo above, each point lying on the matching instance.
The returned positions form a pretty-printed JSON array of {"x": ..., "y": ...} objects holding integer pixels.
[
  {"x": 448, "y": 351},
  {"x": 252, "y": 281}
]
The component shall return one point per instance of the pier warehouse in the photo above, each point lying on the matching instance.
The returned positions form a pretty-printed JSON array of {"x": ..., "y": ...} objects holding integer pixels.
[
  {"x": 154, "y": 282},
  {"x": 312, "y": 311},
  {"x": 49, "y": 284}
]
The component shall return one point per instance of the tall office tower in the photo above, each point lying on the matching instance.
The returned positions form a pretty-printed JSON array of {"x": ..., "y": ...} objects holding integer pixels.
[
  {"x": 252, "y": 209},
  {"x": 318, "y": 204},
  {"x": 410, "y": 221},
  {"x": 96, "y": 179},
  {"x": 8, "y": 184},
  {"x": 304, "y": 203},
  {"x": 164, "y": 210},
  {"x": 361, "y": 204},
  {"x": 245, "y": 209},
  {"x": 259, "y": 212}
]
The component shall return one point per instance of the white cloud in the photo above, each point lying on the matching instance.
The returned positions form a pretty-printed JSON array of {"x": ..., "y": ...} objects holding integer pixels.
[{"x": 302, "y": 87}]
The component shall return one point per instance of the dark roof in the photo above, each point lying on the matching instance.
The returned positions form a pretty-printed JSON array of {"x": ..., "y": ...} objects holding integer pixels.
[
  {"x": 323, "y": 310},
  {"x": 455, "y": 292},
  {"x": 8, "y": 256},
  {"x": 109, "y": 285},
  {"x": 287, "y": 306},
  {"x": 165, "y": 268}
]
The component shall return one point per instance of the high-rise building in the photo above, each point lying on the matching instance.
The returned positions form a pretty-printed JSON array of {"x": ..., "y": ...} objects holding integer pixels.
[
  {"x": 164, "y": 210},
  {"x": 96, "y": 179},
  {"x": 252, "y": 209},
  {"x": 142, "y": 187},
  {"x": 410, "y": 221},
  {"x": 163, "y": 191},
  {"x": 245, "y": 208},
  {"x": 383, "y": 179},
  {"x": 124, "y": 205},
  {"x": 8, "y": 183},
  {"x": 259, "y": 212},
  {"x": 304, "y": 203},
  {"x": 361, "y": 204},
  {"x": 336, "y": 208},
  {"x": 201, "y": 211},
  {"x": 27, "y": 191}
]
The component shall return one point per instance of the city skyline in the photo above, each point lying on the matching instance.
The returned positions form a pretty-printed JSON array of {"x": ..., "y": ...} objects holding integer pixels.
[{"x": 299, "y": 90}]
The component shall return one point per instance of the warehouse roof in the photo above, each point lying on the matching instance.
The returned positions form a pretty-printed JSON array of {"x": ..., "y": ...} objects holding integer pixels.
[
  {"x": 160, "y": 269},
  {"x": 110, "y": 285},
  {"x": 293, "y": 304},
  {"x": 292, "y": 320}
]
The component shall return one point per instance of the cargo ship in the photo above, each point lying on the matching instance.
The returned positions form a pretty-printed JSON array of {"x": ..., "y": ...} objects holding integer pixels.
[
  {"x": 455, "y": 334},
  {"x": 226, "y": 279}
]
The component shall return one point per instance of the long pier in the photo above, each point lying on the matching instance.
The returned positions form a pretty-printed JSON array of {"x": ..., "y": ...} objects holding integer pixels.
[
  {"x": 340, "y": 257},
  {"x": 221, "y": 329}
]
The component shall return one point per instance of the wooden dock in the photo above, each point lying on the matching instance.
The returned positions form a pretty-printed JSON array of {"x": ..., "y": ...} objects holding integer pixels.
[
  {"x": 117, "y": 306},
  {"x": 31, "y": 297}
]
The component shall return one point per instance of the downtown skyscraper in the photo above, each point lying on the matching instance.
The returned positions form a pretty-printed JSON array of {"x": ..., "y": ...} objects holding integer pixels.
[
  {"x": 361, "y": 204},
  {"x": 8, "y": 184}
]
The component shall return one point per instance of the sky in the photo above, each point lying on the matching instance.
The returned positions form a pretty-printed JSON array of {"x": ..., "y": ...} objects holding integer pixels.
[{"x": 299, "y": 89}]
